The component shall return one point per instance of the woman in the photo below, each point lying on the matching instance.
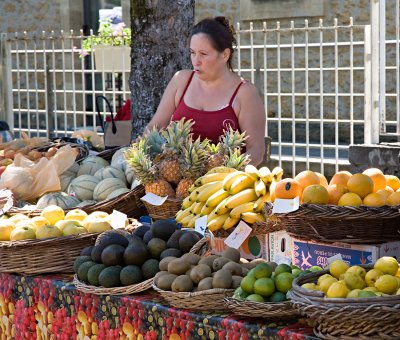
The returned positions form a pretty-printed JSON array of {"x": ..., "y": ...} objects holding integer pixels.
[{"x": 211, "y": 94}]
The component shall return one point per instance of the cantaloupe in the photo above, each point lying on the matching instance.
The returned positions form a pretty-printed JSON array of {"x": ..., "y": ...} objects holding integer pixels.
[
  {"x": 117, "y": 192},
  {"x": 83, "y": 186},
  {"x": 118, "y": 159},
  {"x": 74, "y": 168},
  {"x": 57, "y": 198},
  {"x": 65, "y": 180},
  {"x": 90, "y": 165},
  {"x": 110, "y": 172},
  {"x": 129, "y": 174},
  {"x": 106, "y": 187},
  {"x": 86, "y": 202}
]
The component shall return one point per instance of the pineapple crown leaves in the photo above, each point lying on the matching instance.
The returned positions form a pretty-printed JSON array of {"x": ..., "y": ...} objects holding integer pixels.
[
  {"x": 153, "y": 143},
  {"x": 195, "y": 156},
  {"x": 177, "y": 134},
  {"x": 233, "y": 139},
  {"x": 237, "y": 160},
  {"x": 213, "y": 148}
]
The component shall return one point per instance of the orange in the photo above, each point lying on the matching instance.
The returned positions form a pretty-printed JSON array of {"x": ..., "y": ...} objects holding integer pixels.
[
  {"x": 316, "y": 194},
  {"x": 385, "y": 193},
  {"x": 322, "y": 179},
  {"x": 377, "y": 177},
  {"x": 350, "y": 199},
  {"x": 374, "y": 200},
  {"x": 394, "y": 199},
  {"x": 341, "y": 177},
  {"x": 360, "y": 184},
  {"x": 306, "y": 178},
  {"x": 393, "y": 181},
  {"x": 336, "y": 191},
  {"x": 288, "y": 188}
]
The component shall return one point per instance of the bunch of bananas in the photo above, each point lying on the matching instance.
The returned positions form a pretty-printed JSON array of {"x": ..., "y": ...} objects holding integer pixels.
[{"x": 226, "y": 196}]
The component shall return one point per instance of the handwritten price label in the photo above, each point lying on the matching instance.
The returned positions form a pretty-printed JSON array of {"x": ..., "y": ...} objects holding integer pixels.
[
  {"x": 282, "y": 206},
  {"x": 118, "y": 219},
  {"x": 200, "y": 224},
  {"x": 154, "y": 199},
  {"x": 238, "y": 236}
]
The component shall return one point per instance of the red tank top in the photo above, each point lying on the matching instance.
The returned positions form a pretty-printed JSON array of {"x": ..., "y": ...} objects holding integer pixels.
[{"x": 208, "y": 124}]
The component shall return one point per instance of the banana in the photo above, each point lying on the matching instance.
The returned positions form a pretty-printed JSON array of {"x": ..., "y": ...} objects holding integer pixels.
[
  {"x": 221, "y": 169},
  {"x": 208, "y": 178},
  {"x": 191, "y": 188},
  {"x": 197, "y": 208},
  {"x": 277, "y": 173},
  {"x": 185, "y": 221},
  {"x": 193, "y": 196},
  {"x": 206, "y": 210},
  {"x": 247, "y": 195},
  {"x": 260, "y": 188},
  {"x": 186, "y": 203},
  {"x": 245, "y": 207},
  {"x": 182, "y": 214},
  {"x": 227, "y": 182},
  {"x": 205, "y": 191},
  {"x": 259, "y": 204},
  {"x": 265, "y": 174},
  {"x": 241, "y": 183},
  {"x": 252, "y": 217},
  {"x": 221, "y": 208},
  {"x": 230, "y": 222},
  {"x": 216, "y": 198},
  {"x": 217, "y": 223},
  {"x": 211, "y": 216},
  {"x": 272, "y": 191},
  {"x": 252, "y": 171},
  {"x": 192, "y": 221}
]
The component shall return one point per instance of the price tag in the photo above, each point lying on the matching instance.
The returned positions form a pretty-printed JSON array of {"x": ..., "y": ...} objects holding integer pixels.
[
  {"x": 238, "y": 236},
  {"x": 154, "y": 199},
  {"x": 200, "y": 225},
  {"x": 118, "y": 219},
  {"x": 282, "y": 206},
  {"x": 334, "y": 258},
  {"x": 282, "y": 259}
]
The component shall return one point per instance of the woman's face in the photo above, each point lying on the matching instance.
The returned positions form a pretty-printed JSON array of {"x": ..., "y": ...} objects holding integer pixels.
[{"x": 206, "y": 60}]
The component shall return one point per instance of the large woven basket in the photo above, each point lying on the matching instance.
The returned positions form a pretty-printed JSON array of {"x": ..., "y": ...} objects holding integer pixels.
[
  {"x": 268, "y": 310},
  {"x": 331, "y": 223},
  {"x": 39, "y": 256},
  {"x": 167, "y": 210},
  {"x": 362, "y": 318}
]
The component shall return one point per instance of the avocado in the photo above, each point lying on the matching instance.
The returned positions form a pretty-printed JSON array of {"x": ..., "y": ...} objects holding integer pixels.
[
  {"x": 178, "y": 266},
  {"x": 170, "y": 252},
  {"x": 182, "y": 283},
  {"x": 136, "y": 253},
  {"x": 219, "y": 262},
  {"x": 173, "y": 241},
  {"x": 208, "y": 260},
  {"x": 222, "y": 279},
  {"x": 156, "y": 246},
  {"x": 163, "y": 229},
  {"x": 164, "y": 282},
  {"x": 94, "y": 272},
  {"x": 233, "y": 267},
  {"x": 150, "y": 268},
  {"x": 232, "y": 254},
  {"x": 114, "y": 236},
  {"x": 130, "y": 275},
  {"x": 86, "y": 251},
  {"x": 79, "y": 260},
  {"x": 113, "y": 255},
  {"x": 164, "y": 262},
  {"x": 191, "y": 258},
  {"x": 96, "y": 254},
  {"x": 147, "y": 236},
  {"x": 205, "y": 284},
  {"x": 83, "y": 270},
  {"x": 200, "y": 272},
  {"x": 236, "y": 280},
  {"x": 141, "y": 230},
  {"x": 109, "y": 277},
  {"x": 187, "y": 241}
]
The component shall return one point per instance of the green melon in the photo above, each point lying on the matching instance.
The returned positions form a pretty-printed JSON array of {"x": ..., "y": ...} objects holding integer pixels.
[
  {"x": 110, "y": 172},
  {"x": 129, "y": 174},
  {"x": 65, "y": 180},
  {"x": 74, "y": 168},
  {"x": 95, "y": 159},
  {"x": 83, "y": 186},
  {"x": 117, "y": 192},
  {"x": 106, "y": 187},
  {"x": 118, "y": 159},
  {"x": 57, "y": 198},
  {"x": 86, "y": 202}
]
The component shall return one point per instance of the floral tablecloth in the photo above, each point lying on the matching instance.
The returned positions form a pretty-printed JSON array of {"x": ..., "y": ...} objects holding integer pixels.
[{"x": 49, "y": 307}]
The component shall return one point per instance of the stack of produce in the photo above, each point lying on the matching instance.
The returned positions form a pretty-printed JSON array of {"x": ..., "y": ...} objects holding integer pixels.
[
  {"x": 168, "y": 162},
  {"x": 120, "y": 258},
  {"x": 227, "y": 196},
  {"x": 53, "y": 222},
  {"x": 344, "y": 281},
  {"x": 370, "y": 188}
]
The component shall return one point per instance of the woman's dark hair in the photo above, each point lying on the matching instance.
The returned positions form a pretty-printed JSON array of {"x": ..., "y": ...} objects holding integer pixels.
[{"x": 220, "y": 32}]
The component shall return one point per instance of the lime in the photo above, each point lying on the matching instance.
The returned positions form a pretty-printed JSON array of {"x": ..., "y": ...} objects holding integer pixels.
[
  {"x": 247, "y": 284},
  {"x": 255, "y": 297},
  {"x": 283, "y": 282},
  {"x": 250, "y": 272},
  {"x": 296, "y": 272},
  {"x": 304, "y": 272},
  {"x": 282, "y": 268},
  {"x": 262, "y": 270},
  {"x": 240, "y": 294},
  {"x": 315, "y": 269},
  {"x": 366, "y": 294},
  {"x": 277, "y": 297},
  {"x": 264, "y": 287}
]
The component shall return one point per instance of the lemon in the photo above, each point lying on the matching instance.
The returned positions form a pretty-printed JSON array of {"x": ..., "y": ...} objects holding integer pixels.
[
  {"x": 337, "y": 290},
  {"x": 387, "y": 265},
  {"x": 370, "y": 289},
  {"x": 387, "y": 284},
  {"x": 6, "y": 227},
  {"x": 338, "y": 267},
  {"x": 354, "y": 281},
  {"x": 323, "y": 277},
  {"x": 53, "y": 214},
  {"x": 372, "y": 276},
  {"x": 325, "y": 284},
  {"x": 357, "y": 270},
  {"x": 353, "y": 293},
  {"x": 309, "y": 286}
]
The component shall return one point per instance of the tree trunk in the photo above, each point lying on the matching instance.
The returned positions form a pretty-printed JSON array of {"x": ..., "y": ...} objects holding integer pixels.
[{"x": 160, "y": 33}]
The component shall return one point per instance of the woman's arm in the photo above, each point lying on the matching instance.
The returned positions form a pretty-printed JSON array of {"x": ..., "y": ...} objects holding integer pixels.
[
  {"x": 252, "y": 120},
  {"x": 167, "y": 105}
]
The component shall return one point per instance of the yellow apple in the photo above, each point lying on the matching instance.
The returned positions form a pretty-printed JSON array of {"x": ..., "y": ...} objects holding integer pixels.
[
  {"x": 48, "y": 231},
  {"x": 53, "y": 213},
  {"x": 99, "y": 214},
  {"x": 39, "y": 221},
  {"x": 22, "y": 233},
  {"x": 98, "y": 226},
  {"x": 73, "y": 229},
  {"x": 18, "y": 217},
  {"x": 76, "y": 214},
  {"x": 64, "y": 223},
  {"x": 6, "y": 227},
  {"x": 24, "y": 223}
]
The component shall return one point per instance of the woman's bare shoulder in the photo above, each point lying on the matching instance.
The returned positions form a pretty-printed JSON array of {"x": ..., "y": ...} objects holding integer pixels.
[
  {"x": 181, "y": 76},
  {"x": 248, "y": 90}
]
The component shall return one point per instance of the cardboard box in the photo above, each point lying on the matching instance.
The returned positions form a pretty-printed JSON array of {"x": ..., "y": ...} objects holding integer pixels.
[
  {"x": 306, "y": 254},
  {"x": 280, "y": 246},
  {"x": 255, "y": 246}
]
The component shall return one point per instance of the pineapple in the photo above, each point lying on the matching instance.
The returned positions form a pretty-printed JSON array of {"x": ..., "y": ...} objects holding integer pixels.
[
  {"x": 153, "y": 143},
  {"x": 231, "y": 141},
  {"x": 237, "y": 160},
  {"x": 194, "y": 159},
  {"x": 176, "y": 135},
  {"x": 145, "y": 171}
]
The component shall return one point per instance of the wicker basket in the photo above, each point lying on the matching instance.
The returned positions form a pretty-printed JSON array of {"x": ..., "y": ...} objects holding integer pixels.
[
  {"x": 362, "y": 318},
  {"x": 268, "y": 310},
  {"x": 132, "y": 289},
  {"x": 331, "y": 223},
  {"x": 51, "y": 255},
  {"x": 60, "y": 142},
  {"x": 167, "y": 210}
]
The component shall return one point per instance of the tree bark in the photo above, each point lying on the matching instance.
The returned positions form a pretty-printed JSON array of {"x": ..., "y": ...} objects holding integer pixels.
[{"x": 160, "y": 33}]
